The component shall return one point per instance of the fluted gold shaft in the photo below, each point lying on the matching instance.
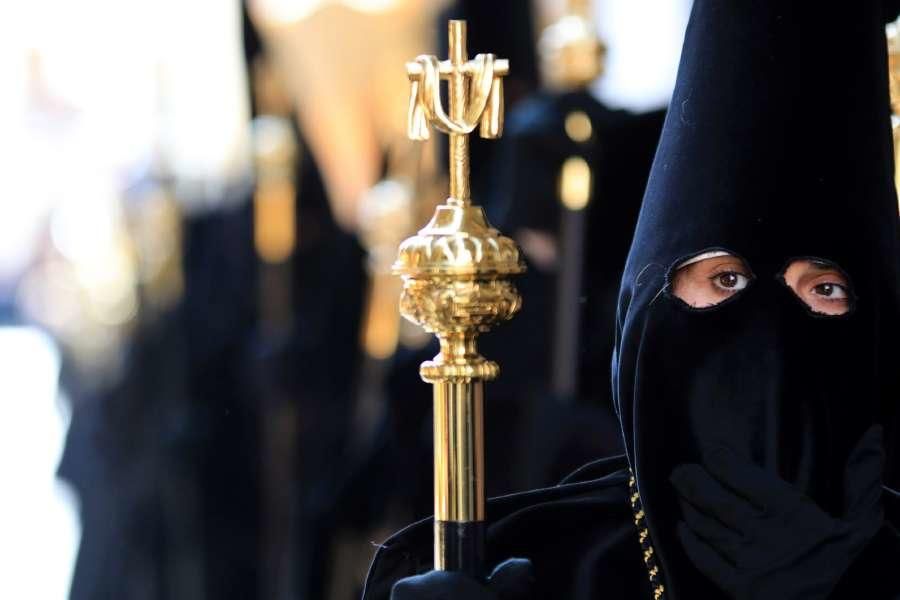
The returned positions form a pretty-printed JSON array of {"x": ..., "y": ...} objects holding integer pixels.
[{"x": 459, "y": 451}]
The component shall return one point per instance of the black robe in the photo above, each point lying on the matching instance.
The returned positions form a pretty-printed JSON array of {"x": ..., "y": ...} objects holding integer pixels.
[{"x": 579, "y": 535}]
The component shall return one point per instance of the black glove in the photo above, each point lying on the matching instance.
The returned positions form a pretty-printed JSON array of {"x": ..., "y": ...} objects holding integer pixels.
[
  {"x": 756, "y": 536},
  {"x": 511, "y": 580}
]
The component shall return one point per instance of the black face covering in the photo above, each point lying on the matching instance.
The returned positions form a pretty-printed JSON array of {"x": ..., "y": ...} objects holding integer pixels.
[{"x": 777, "y": 147}]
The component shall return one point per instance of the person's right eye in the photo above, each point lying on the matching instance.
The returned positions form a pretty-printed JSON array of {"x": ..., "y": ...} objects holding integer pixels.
[
  {"x": 710, "y": 278},
  {"x": 731, "y": 281}
]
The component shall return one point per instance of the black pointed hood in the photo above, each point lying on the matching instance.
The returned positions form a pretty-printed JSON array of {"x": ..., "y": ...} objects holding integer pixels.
[{"x": 777, "y": 148}]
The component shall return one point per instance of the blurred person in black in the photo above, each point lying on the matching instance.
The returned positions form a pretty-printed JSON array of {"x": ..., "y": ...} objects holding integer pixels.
[
  {"x": 575, "y": 229},
  {"x": 304, "y": 362},
  {"x": 753, "y": 365},
  {"x": 165, "y": 456}
]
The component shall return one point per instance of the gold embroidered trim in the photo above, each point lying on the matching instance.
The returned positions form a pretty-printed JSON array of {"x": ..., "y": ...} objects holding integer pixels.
[{"x": 640, "y": 522}]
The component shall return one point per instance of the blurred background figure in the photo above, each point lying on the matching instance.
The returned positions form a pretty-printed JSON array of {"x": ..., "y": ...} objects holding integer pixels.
[
  {"x": 206, "y": 388},
  {"x": 127, "y": 184}
]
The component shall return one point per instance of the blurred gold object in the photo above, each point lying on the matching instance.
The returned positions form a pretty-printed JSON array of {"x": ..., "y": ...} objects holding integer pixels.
[
  {"x": 570, "y": 50},
  {"x": 893, "y": 43},
  {"x": 385, "y": 219},
  {"x": 156, "y": 233},
  {"x": 572, "y": 56},
  {"x": 274, "y": 210},
  {"x": 893, "y": 37},
  {"x": 388, "y": 211},
  {"x": 575, "y": 183},
  {"x": 338, "y": 61},
  {"x": 456, "y": 285},
  {"x": 578, "y": 126},
  {"x": 275, "y": 151}
]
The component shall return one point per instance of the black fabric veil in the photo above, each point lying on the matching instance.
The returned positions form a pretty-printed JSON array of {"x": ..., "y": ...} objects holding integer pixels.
[{"x": 777, "y": 147}]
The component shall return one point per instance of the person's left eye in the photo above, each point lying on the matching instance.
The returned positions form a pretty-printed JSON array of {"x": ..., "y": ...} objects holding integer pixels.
[{"x": 821, "y": 285}]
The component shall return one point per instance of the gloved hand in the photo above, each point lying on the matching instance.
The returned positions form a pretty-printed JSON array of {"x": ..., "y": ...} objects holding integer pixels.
[
  {"x": 511, "y": 580},
  {"x": 756, "y": 536}
]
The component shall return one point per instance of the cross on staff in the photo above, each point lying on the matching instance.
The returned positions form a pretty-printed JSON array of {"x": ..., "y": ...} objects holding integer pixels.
[{"x": 475, "y": 92}]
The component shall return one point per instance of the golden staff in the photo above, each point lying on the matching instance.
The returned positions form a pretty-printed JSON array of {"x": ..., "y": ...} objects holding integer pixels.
[{"x": 456, "y": 285}]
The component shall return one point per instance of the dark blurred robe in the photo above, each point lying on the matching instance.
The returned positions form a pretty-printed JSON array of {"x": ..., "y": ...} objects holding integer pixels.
[
  {"x": 164, "y": 459},
  {"x": 306, "y": 376},
  {"x": 557, "y": 434},
  {"x": 219, "y": 317},
  {"x": 314, "y": 367}
]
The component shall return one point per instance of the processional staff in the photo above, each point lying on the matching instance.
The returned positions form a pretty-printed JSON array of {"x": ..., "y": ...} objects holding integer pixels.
[{"x": 456, "y": 285}]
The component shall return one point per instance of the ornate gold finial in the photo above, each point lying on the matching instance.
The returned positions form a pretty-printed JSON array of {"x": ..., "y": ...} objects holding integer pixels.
[
  {"x": 454, "y": 268},
  {"x": 455, "y": 284}
]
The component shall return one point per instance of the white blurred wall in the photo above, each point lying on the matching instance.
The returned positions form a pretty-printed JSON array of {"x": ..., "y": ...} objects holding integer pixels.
[{"x": 38, "y": 513}]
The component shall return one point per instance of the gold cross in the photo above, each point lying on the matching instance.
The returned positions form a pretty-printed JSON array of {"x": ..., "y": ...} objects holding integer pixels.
[{"x": 475, "y": 93}]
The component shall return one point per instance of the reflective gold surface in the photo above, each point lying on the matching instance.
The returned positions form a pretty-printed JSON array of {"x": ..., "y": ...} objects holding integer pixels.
[
  {"x": 459, "y": 447},
  {"x": 455, "y": 273}
]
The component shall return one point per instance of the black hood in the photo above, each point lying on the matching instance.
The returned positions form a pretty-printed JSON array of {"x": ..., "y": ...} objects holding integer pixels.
[{"x": 777, "y": 147}]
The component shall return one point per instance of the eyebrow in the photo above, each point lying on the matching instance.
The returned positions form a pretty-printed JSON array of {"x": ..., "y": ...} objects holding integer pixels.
[{"x": 824, "y": 265}]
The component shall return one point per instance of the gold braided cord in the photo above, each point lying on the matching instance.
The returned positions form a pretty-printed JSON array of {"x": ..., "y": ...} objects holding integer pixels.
[
  {"x": 640, "y": 522},
  {"x": 425, "y": 102}
]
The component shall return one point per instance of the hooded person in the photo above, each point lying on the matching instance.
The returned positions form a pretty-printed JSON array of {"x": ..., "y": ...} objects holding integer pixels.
[{"x": 756, "y": 344}]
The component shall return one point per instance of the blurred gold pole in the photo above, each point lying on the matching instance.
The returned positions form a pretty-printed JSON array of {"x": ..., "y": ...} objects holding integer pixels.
[
  {"x": 276, "y": 153},
  {"x": 893, "y": 36},
  {"x": 274, "y": 218},
  {"x": 571, "y": 57},
  {"x": 456, "y": 285},
  {"x": 385, "y": 220}
]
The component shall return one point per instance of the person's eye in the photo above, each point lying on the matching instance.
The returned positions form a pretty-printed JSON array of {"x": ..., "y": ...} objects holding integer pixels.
[
  {"x": 709, "y": 278},
  {"x": 821, "y": 285},
  {"x": 831, "y": 291},
  {"x": 730, "y": 281}
]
